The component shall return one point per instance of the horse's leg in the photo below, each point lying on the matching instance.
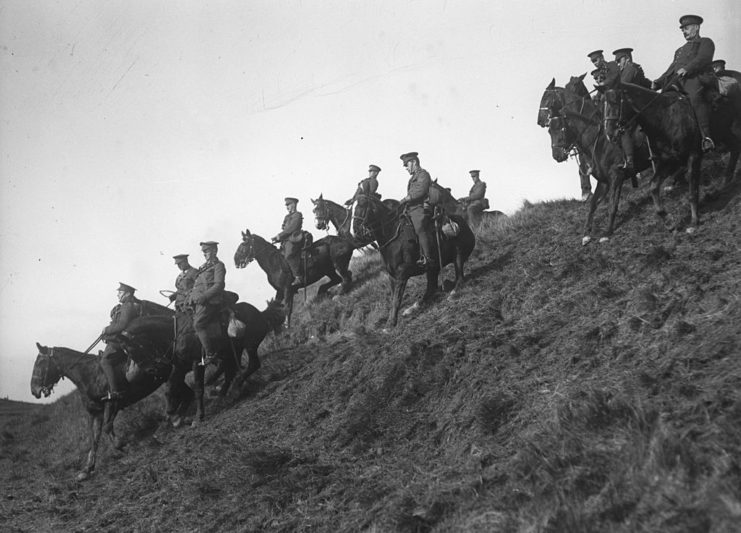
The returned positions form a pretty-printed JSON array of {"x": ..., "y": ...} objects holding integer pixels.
[
  {"x": 198, "y": 380},
  {"x": 599, "y": 192},
  {"x": 731, "y": 166},
  {"x": 229, "y": 364},
  {"x": 693, "y": 192},
  {"x": 288, "y": 298},
  {"x": 334, "y": 279},
  {"x": 179, "y": 395},
  {"x": 95, "y": 426},
  {"x": 617, "y": 187},
  {"x": 656, "y": 180},
  {"x": 397, "y": 293}
]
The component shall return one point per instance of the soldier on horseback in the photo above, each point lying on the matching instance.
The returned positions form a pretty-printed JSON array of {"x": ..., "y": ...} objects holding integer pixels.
[
  {"x": 475, "y": 202},
  {"x": 368, "y": 186},
  {"x": 113, "y": 358},
  {"x": 418, "y": 207},
  {"x": 207, "y": 297},
  {"x": 184, "y": 282},
  {"x": 692, "y": 69},
  {"x": 608, "y": 72},
  {"x": 629, "y": 73},
  {"x": 291, "y": 238}
]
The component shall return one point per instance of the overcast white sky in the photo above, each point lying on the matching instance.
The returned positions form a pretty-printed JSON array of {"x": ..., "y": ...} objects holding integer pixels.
[{"x": 132, "y": 130}]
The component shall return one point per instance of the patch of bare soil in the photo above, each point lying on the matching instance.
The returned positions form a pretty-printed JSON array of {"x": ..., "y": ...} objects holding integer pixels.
[{"x": 564, "y": 388}]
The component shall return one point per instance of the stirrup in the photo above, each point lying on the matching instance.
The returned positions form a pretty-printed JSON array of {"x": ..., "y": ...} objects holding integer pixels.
[{"x": 707, "y": 144}]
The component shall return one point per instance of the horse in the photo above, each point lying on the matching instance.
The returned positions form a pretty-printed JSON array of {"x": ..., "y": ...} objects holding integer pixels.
[
  {"x": 328, "y": 257},
  {"x": 328, "y": 212},
  {"x": 550, "y": 106},
  {"x": 188, "y": 353},
  {"x": 674, "y": 134},
  {"x": 399, "y": 249},
  {"x": 578, "y": 125},
  {"x": 85, "y": 372}
]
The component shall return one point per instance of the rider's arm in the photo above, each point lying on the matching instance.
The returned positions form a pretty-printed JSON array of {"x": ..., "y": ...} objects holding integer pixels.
[
  {"x": 477, "y": 191},
  {"x": 701, "y": 62},
  {"x": 419, "y": 188},
  {"x": 293, "y": 223}
]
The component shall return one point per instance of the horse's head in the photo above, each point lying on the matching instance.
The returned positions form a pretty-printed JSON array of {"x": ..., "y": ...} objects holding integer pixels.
[
  {"x": 46, "y": 372},
  {"x": 321, "y": 213},
  {"x": 576, "y": 85},
  {"x": 245, "y": 253},
  {"x": 550, "y": 104},
  {"x": 613, "y": 99},
  {"x": 561, "y": 138}
]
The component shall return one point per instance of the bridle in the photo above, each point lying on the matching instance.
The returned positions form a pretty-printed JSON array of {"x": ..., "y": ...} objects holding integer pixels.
[
  {"x": 611, "y": 114},
  {"x": 249, "y": 255},
  {"x": 380, "y": 225},
  {"x": 48, "y": 358}
]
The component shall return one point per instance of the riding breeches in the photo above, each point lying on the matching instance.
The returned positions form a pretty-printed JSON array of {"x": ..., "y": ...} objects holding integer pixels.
[
  {"x": 203, "y": 319},
  {"x": 694, "y": 89},
  {"x": 111, "y": 362},
  {"x": 292, "y": 253},
  {"x": 423, "y": 228}
]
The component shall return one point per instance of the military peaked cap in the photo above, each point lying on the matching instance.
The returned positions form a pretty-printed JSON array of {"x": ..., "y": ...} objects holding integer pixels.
[
  {"x": 595, "y": 53},
  {"x": 290, "y": 200},
  {"x": 622, "y": 52},
  {"x": 180, "y": 257},
  {"x": 374, "y": 167},
  {"x": 126, "y": 288},
  {"x": 409, "y": 157},
  {"x": 209, "y": 244},
  {"x": 720, "y": 62},
  {"x": 686, "y": 20},
  {"x": 595, "y": 73},
  {"x": 474, "y": 172}
]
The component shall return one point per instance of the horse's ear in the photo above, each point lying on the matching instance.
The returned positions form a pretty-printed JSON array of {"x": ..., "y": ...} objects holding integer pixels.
[
  {"x": 42, "y": 349},
  {"x": 552, "y": 84},
  {"x": 321, "y": 196},
  {"x": 245, "y": 234},
  {"x": 581, "y": 78}
]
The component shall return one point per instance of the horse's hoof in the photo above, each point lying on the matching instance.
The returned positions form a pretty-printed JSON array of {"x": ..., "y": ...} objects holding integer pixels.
[
  {"x": 586, "y": 240},
  {"x": 82, "y": 476},
  {"x": 411, "y": 309},
  {"x": 176, "y": 421},
  {"x": 196, "y": 422},
  {"x": 691, "y": 230},
  {"x": 604, "y": 239}
]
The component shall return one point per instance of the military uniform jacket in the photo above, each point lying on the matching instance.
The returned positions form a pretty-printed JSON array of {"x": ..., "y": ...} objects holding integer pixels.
[
  {"x": 418, "y": 187},
  {"x": 291, "y": 228},
  {"x": 209, "y": 283},
  {"x": 633, "y": 73},
  {"x": 477, "y": 192},
  {"x": 367, "y": 187},
  {"x": 695, "y": 56},
  {"x": 184, "y": 283},
  {"x": 121, "y": 315}
]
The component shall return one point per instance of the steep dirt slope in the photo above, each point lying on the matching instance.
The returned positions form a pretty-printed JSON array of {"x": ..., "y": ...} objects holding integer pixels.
[{"x": 565, "y": 388}]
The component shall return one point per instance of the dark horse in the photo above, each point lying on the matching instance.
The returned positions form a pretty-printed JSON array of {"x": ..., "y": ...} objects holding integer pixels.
[
  {"x": 575, "y": 122},
  {"x": 550, "y": 106},
  {"x": 399, "y": 249},
  {"x": 327, "y": 212},
  {"x": 670, "y": 124},
  {"x": 188, "y": 353},
  {"x": 328, "y": 257},
  {"x": 84, "y": 371}
]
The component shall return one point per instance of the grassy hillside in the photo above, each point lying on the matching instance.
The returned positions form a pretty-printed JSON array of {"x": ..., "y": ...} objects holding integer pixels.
[{"x": 565, "y": 388}]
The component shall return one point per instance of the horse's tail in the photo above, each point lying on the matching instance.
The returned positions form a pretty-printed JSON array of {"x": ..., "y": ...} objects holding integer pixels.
[{"x": 274, "y": 315}]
